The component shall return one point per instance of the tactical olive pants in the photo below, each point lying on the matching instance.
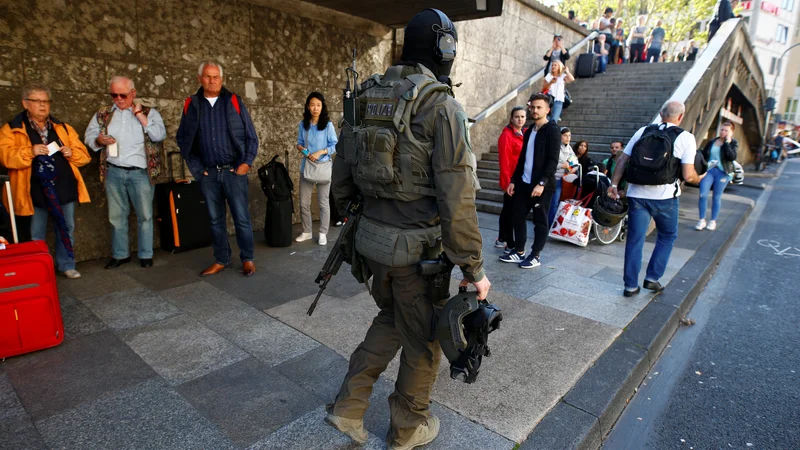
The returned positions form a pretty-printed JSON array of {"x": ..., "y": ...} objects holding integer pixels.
[{"x": 403, "y": 321}]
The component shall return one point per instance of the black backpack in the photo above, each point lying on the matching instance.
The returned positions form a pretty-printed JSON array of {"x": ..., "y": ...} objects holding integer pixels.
[
  {"x": 652, "y": 162},
  {"x": 275, "y": 180}
]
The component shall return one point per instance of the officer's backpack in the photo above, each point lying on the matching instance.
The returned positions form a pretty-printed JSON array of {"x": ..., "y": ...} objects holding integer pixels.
[
  {"x": 275, "y": 180},
  {"x": 652, "y": 162}
]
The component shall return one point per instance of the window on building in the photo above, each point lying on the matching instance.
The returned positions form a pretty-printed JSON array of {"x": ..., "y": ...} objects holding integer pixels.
[
  {"x": 772, "y": 65},
  {"x": 787, "y": 5},
  {"x": 781, "y": 34},
  {"x": 798, "y": 80},
  {"x": 778, "y": 68}
]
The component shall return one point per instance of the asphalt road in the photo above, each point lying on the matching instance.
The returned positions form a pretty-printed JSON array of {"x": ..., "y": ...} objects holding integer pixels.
[{"x": 732, "y": 380}]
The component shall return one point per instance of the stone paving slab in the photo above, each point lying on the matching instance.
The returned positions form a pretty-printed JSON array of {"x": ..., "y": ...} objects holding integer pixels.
[
  {"x": 586, "y": 306},
  {"x": 103, "y": 283},
  {"x": 78, "y": 319},
  {"x": 181, "y": 349},
  {"x": 319, "y": 371},
  {"x": 162, "y": 277},
  {"x": 202, "y": 301},
  {"x": 79, "y": 370},
  {"x": 130, "y": 308},
  {"x": 267, "y": 339},
  {"x": 145, "y": 416},
  {"x": 248, "y": 400}
]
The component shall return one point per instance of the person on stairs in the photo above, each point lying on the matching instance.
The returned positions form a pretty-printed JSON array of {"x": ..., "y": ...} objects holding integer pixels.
[
  {"x": 555, "y": 84},
  {"x": 533, "y": 184}
]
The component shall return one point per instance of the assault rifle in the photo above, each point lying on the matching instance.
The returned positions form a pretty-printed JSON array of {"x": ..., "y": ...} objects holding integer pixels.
[{"x": 335, "y": 258}]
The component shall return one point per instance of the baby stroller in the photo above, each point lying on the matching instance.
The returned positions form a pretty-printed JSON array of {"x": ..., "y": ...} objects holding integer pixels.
[{"x": 593, "y": 185}]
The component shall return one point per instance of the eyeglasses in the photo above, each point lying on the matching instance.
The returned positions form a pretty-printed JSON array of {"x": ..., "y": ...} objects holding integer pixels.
[
  {"x": 122, "y": 96},
  {"x": 39, "y": 102}
]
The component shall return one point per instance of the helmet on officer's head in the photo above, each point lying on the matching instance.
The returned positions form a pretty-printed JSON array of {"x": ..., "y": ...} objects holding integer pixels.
[
  {"x": 431, "y": 39},
  {"x": 463, "y": 333}
]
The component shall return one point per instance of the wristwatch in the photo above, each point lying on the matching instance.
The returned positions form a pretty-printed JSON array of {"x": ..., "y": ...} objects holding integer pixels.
[
  {"x": 614, "y": 186},
  {"x": 541, "y": 183}
]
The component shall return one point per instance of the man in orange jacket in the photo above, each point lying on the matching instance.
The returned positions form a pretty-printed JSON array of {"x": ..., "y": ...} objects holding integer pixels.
[{"x": 42, "y": 155}]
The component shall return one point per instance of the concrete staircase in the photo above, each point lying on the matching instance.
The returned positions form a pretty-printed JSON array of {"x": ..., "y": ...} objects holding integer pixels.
[{"x": 607, "y": 107}]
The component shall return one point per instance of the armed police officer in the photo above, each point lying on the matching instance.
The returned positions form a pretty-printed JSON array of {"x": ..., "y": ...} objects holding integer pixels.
[{"x": 410, "y": 157}]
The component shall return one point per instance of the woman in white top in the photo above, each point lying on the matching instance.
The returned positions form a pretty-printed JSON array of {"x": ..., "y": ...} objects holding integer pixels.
[{"x": 555, "y": 84}]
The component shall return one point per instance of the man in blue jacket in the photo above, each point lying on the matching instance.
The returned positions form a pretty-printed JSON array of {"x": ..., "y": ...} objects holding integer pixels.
[{"x": 219, "y": 143}]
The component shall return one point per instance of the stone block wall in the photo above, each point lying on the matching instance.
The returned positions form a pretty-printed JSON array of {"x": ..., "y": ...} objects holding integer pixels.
[{"x": 273, "y": 53}]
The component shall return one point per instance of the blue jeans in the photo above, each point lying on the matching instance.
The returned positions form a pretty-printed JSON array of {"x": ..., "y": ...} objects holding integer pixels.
[
  {"x": 654, "y": 53},
  {"x": 602, "y": 62},
  {"x": 39, "y": 233},
  {"x": 554, "y": 203},
  {"x": 222, "y": 185},
  {"x": 124, "y": 187},
  {"x": 718, "y": 179},
  {"x": 665, "y": 214},
  {"x": 555, "y": 113}
]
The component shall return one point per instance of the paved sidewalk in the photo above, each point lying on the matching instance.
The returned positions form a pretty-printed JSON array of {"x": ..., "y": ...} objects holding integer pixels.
[{"x": 160, "y": 358}]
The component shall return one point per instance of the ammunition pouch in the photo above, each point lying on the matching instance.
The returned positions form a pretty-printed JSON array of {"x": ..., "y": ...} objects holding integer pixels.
[{"x": 396, "y": 247}]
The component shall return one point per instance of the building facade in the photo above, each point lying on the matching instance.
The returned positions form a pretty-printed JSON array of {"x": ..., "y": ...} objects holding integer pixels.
[
  {"x": 790, "y": 97},
  {"x": 772, "y": 26}
]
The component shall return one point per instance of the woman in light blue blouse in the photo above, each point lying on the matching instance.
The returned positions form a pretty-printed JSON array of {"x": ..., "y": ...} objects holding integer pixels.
[{"x": 316, "y": 140}]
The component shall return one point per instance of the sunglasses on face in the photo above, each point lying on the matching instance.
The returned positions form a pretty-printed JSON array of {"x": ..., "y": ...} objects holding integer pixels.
[
  {"x": 39, "y": 102},
  {"x": 122, "y": 96}
]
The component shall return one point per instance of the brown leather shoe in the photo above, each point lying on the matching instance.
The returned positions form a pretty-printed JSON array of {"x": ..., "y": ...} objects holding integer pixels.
[
  {"x": 249, "y": 268},
  {"x": 213, "y": 270}
]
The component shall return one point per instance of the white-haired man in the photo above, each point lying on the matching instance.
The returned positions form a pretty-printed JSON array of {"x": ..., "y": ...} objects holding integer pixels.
[
  {"x": 654, "y": 175},
  {"x": 129, "y": 136},
  {"x": 219, "y": 143}
]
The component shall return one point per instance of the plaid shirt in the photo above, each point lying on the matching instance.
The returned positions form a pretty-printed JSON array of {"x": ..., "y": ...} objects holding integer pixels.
[{"x": 42, "y": 131}]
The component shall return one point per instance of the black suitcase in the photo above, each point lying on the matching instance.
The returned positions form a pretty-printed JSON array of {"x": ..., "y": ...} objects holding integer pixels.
[
  {"x": 182, "y": 213},
  {"x": 278, "y": 223},
  {"x": 587, "y": 65}
]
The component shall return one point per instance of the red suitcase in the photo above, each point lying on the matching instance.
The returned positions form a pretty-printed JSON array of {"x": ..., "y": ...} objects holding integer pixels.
[{"x": 30, "y": 314}]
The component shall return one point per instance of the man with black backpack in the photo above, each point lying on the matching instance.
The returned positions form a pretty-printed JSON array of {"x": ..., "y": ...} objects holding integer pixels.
[{"x": 654, "y": 162}]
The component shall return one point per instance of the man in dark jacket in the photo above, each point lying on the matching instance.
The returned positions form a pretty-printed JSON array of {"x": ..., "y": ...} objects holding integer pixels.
[
  {"x": 219, "y": 143},
  {"x": 724, "y": 11},
  {"x": 533, "y": 183}
]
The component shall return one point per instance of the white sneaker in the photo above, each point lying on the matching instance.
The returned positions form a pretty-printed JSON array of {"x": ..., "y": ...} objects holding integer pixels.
[
  {"x": 72, "y": 274},
  {"x": 712, "y": 225},
  {"x": 323, "y": 239},
  {"x": 701, "y": 225},
  {"x": 303, "y": 237},
  {"x": 424, "y": 434}
]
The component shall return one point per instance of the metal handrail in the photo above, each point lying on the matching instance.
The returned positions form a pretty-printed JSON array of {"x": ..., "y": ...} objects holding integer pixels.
[
  {"x": 525, "y": 85},
  {"x": 700, "y": 67}
]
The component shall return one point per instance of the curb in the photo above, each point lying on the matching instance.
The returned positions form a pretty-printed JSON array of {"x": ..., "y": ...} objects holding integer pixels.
[{"x": 585, "y": 415}]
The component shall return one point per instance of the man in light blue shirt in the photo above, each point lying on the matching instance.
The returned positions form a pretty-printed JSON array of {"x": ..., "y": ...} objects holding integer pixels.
[{"x": 129, "y": 136}]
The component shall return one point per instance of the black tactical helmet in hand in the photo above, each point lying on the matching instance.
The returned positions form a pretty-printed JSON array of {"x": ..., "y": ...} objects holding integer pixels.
[
  {"x": 431, "y": 39},
  {"x": 463, "y": 332}
]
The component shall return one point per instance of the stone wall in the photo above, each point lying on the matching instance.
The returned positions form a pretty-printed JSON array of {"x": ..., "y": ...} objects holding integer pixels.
[{"x": 274, "y": 53}]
